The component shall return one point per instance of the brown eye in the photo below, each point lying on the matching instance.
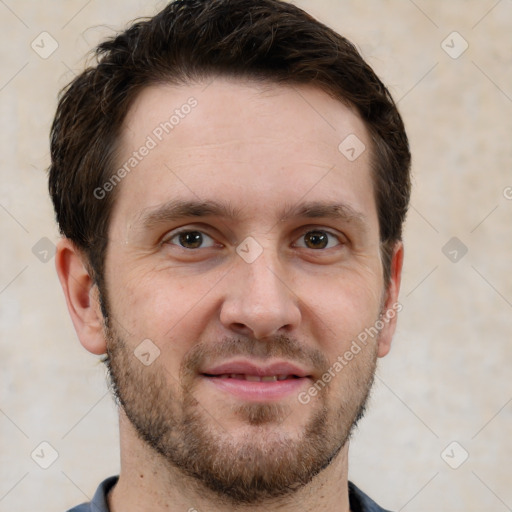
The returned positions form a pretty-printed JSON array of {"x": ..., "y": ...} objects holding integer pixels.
[
  {"x": 192, "y": 240},
  {"x": 318, "y": 239}
]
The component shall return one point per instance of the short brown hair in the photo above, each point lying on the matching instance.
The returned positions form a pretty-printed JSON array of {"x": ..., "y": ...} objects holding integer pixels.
[{"x": 192, "y": 40}]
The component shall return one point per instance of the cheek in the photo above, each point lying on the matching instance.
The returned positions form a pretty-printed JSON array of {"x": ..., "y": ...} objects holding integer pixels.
[
  {"x": 162, "y": 306},
  {"x": 342, "y": 307}
]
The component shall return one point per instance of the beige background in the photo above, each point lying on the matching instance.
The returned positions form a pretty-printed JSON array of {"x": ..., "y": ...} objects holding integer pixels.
[{"x": 448, "y": 376}]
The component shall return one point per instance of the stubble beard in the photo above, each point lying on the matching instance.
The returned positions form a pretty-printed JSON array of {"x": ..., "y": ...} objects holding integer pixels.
[{"x": 264, "y": 463}]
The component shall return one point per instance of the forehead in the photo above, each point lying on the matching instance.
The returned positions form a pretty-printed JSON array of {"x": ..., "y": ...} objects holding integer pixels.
[
  {"x": 235, "y": 107},
  {"x": 253, "y": 144}
]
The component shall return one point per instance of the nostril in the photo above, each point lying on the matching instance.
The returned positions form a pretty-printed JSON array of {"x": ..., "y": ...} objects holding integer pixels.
[{"x": 239, "y": 327}]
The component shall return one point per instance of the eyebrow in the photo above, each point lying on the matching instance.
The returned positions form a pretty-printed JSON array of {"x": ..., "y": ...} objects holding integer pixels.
[
  {"x": 317, "y": 209},
  {"x": 181, "y": 209},
  {"x": 178, "y": 209}
]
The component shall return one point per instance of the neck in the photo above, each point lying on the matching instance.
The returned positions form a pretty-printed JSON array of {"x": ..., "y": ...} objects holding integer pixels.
[{"x": 147, "y": 482}]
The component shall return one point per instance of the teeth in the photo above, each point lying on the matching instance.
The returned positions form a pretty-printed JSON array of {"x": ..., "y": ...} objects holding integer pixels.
[{"x": 254, "y": 378}]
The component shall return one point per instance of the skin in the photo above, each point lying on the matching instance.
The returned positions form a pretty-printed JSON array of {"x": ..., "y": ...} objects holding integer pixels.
[{"x": 259, "y": 149}]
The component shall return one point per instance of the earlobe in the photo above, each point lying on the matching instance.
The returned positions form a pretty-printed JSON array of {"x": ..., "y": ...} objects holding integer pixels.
[
  {"x": 82, "y": 296},
  {"x": 391, "y": 306}
]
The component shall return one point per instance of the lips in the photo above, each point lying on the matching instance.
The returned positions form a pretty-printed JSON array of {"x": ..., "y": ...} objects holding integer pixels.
[
  {"x": 278, "y": 370},
  {"x": 255, "y": 378},
  {"x": 252, "y": 382}
]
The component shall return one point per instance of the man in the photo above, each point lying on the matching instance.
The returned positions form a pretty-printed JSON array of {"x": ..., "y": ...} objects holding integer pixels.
[{"x": 231, "y": 181}]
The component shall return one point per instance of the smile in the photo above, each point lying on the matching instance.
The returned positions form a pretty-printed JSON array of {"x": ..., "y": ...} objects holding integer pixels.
[
  {"x": 249, "y": 381},
  {"x": 255, "y": 378}
]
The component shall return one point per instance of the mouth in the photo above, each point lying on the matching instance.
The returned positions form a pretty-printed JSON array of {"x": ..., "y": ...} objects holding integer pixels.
[
  {"x": 254, "y": 378},
  {"x": 255, "y": 383}
]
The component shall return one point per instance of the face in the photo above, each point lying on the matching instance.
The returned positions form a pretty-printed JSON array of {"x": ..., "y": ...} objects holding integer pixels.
[{"x": 244, "y": 251}]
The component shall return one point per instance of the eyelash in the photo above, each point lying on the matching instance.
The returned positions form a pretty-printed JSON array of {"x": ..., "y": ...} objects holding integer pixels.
[
  {"x": 184, "y": 231},
  {"x": 169, "y": 239}
]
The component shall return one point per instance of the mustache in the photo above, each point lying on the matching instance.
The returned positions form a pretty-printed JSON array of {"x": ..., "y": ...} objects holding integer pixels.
[{"x": 279, "y": 346}]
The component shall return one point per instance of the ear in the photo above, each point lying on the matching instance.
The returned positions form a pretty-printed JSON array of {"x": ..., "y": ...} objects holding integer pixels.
[
  {"x": 391, "y": 306},
  {"x": 82, "y": 296}
]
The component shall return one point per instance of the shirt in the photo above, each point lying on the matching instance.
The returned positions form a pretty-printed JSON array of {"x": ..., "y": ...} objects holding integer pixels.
[{"x": 359, "y": 501}]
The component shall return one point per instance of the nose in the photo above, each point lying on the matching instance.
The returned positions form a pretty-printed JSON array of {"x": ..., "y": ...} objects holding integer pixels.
[{"x": 259, "y": 302}]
